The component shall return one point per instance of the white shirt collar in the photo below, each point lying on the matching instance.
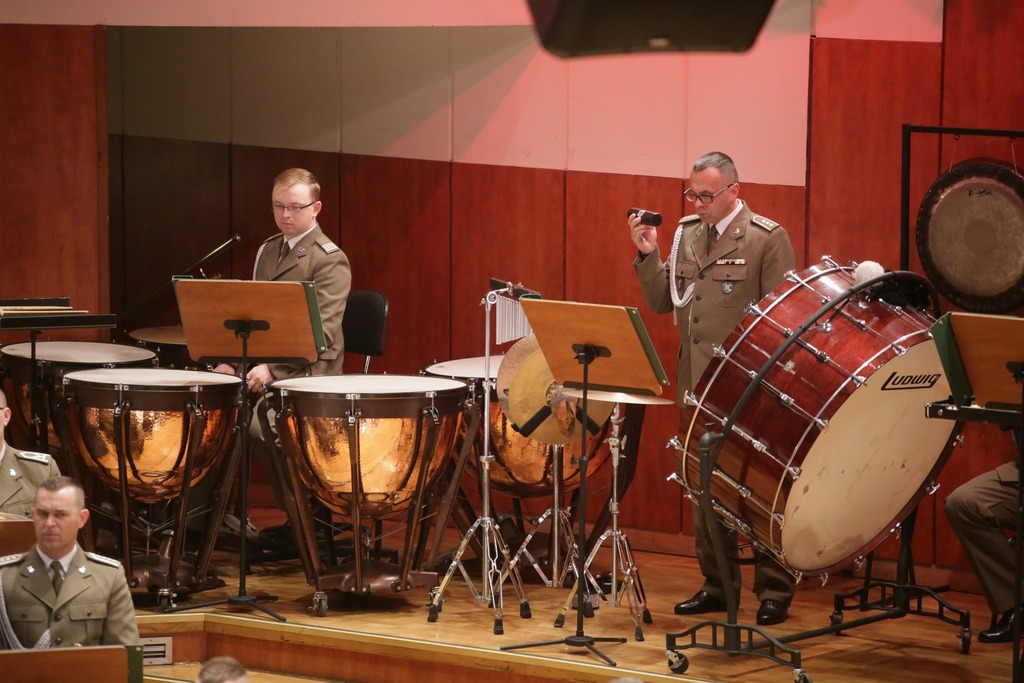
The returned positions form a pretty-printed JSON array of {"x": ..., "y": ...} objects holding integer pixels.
[
  {"x": 295, "y": 240},
  {"x": 65, "y": 562},
  {"x": 723, "y": 224}
]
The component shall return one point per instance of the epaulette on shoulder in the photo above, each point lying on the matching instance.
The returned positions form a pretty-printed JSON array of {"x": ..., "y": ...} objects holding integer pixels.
[
  {"x": 328, "y": 246},
  {"x": 102, "y": 559},
  {"x": 41, "y": 458},
  {"x": 11, "y": 559},
  {"x": 762, "y": 222},
  {"x": 692, "y": 218}
]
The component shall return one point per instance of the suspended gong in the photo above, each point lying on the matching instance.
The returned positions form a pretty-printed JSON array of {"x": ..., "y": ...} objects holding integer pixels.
[{"x": 970, "y": 235}]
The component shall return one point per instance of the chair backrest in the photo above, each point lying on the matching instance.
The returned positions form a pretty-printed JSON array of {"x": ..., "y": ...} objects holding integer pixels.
[{"x": 366, "y": 317}]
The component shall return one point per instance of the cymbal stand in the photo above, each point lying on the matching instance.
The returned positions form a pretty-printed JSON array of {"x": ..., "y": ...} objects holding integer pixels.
[
  {"x": 494, "y": 548},
  {"x": 561, "y": 533},
  {"x": 630, "y": 587}
]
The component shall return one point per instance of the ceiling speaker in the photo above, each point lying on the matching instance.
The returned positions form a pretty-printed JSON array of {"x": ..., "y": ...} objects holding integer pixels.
[{"x": 575, "y": 28}]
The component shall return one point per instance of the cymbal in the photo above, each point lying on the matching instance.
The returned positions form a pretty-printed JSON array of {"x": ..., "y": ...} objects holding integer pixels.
[
  {"x": 618, "y": 397},
  {"x": 528, "y": 390},
  {"x": 510, "y": 364}
]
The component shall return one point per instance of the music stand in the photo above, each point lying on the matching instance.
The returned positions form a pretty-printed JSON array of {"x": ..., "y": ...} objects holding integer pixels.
[
  {"x": 219, "y": 318},
  {"x": 573, "y": 337},
  {"x": 983, "y": 357}
]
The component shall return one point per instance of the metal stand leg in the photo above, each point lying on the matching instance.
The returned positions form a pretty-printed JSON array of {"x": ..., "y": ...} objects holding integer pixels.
[
  {"x": 495, "y": 555},
  {"x": 630, "y": 587},
  {"x": 729, "y": 636}
]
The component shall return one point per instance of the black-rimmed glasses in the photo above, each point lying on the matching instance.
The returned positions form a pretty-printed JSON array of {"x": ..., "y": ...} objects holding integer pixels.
[{"x": 693, "y": 197}]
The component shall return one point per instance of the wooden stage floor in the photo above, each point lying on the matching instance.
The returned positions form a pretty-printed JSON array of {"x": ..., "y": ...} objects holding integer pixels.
[{"x": 388, "y": 638}]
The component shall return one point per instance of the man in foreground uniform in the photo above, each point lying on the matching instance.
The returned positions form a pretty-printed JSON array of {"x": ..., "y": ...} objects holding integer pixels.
[{"x": 56, "y": 594}]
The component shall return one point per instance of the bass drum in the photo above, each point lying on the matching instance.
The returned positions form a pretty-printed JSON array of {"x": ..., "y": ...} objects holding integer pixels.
[
  {"x": 832, "y": 448},
  {"x": 970, "y": 236}
]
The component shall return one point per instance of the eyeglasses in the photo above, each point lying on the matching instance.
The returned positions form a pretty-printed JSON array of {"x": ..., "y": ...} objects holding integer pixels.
[
  {"x": 281, "y": 208},
  {"x": 693, "y": 197}
]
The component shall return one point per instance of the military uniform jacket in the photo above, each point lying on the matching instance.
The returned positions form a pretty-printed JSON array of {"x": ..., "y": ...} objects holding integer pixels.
[
  {"x": 314, "y": 258},
  {"x": 747, "y": 262},
  {"x": 94, "y": 606},
  {"x": 21, "y": 473}
]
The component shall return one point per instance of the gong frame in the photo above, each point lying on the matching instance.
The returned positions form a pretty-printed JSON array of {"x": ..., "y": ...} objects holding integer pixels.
[{"x": 908, "y": 131}]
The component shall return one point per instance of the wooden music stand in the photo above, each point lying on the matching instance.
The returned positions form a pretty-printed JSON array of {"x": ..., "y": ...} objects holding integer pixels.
[
  {"x": 573, "y": 337},
  {"x": 17, "y": 534},
  {"x": 219, "y": 318},
  {"x": 983, "y": 356},
  {"x": 288, "y": 309}
]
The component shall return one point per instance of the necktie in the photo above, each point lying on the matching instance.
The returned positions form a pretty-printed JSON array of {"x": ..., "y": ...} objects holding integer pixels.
[
  {"x": 58, "y": 577},
  {"x": 712, "y": 237},
  {"x": 284, "y": 251}
]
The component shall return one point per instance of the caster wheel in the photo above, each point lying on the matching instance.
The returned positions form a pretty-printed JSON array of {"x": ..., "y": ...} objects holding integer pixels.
[
  {"x": 320, "y": 607},
  {"x": 560, "y": 621},
  {"x": 432, "y": 614},
  {"x": 164, "y": 602},
  {"x": 801, "y": 676},
  {"x": 677, "y": 663},
  {"x": 965, "y": 640},
  {"x": 647, "y": 616}
]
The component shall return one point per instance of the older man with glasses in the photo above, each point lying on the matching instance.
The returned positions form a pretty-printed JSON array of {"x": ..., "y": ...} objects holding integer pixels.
[{"x": 722, "y": 257}]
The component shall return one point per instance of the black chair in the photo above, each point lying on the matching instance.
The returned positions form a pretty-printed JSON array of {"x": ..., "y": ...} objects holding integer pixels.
[{"x": 366, "y": 318}]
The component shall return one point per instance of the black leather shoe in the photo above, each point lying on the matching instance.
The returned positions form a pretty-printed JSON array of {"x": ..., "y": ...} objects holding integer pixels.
[
  {"x": 1001, "y": 631},
  {"x": 771, "y": 612},
  {"x": 701, "y": 603}
]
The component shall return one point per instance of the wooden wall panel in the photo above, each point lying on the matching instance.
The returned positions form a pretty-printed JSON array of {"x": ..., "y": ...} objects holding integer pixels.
[
  {"x": 862, "y": 92},
  {"x": 397, "y": 233},
  {"x": 252, "y": 173},
  {"x": 981, "y": 85},
  {"x": 177, "y": 206},
  {"x": 507, "y": 223},
  {"x": 53, "y": 133},
  {"x": 599, "y": 270}
]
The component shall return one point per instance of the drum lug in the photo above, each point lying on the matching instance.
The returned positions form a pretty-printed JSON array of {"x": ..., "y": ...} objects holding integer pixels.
[
  {"x": 674, "y": 442},
  {"x": 753, "y": 309},
  {"x": 718, "y": 351},
  {"x": 932, "y": 488},
  {"x": 780, "y": 519},
  {"x": 823, "y": 577},
  {"x": 434, "y": 415},
  {"x": 821, "y": 424},
  {"x": 825, "y": 327}
]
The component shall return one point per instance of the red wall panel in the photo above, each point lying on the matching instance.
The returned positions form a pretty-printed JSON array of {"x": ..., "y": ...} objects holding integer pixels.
[
  {"x": 862, "y": 92},
  {"x": 397, "y": 234}
]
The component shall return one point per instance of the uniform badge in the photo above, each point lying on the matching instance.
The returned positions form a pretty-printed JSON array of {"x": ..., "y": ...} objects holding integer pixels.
[
  {"x": 727, "y": 287},
  {"x": 14, "y": 472},
  {"x": 300, "y": 251},
  {"x": 736, "y": 232}
]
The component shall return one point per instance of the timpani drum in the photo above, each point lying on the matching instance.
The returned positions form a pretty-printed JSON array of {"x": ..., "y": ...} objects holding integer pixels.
[
  {"x": 367, "y": 446},
  {"x": 169, "y": 345},
  {"x": 832, "y": 449},
  {"x": 150, "y": 435},
  {"x": 523, "y": 467},
  {"x": 53, "y": 359},
  {"x": 143, "y": 424}
]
